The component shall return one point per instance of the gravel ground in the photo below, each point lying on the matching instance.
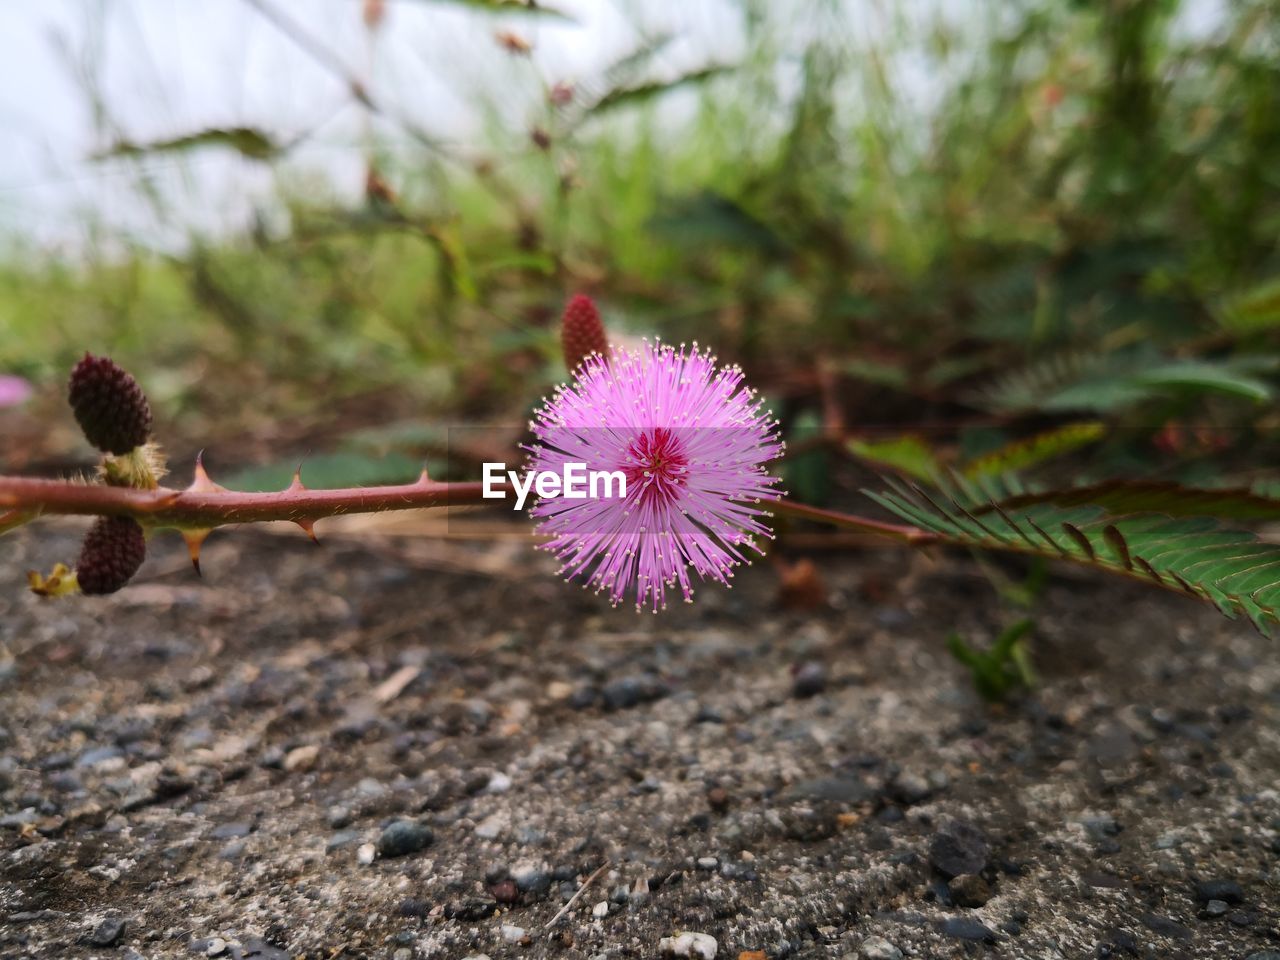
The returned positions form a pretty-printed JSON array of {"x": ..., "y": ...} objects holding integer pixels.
[{"x": 431, "y": 751}]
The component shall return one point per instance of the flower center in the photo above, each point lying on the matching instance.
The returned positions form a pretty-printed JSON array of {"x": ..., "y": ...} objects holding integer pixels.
[{"x": 657, "y": 466}]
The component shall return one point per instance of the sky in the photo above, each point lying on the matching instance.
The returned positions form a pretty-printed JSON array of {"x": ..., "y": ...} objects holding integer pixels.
[{"x": 162, "y": 68}]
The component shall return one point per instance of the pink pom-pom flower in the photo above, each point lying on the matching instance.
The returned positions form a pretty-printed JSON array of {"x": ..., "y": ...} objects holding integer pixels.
[{"x": 692, "y": 441}]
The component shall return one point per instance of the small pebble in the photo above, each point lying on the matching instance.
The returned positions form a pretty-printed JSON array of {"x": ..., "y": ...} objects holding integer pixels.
[
  {"x": 910, "y": 788},
  {"x": 531, "y": 877},
  {"x": 600, "y": 910},
  {"x": 231, "y": 831},
  {"x": 498, "y": 783},
  {"x": 341, "y": 839},
  {"x": 878, "y": 948},
  {"x": 699, "y": 946},
  {"x": 99, "y": 757},
  {"x": 1100, "y": 827},
  {"x": 969, "y": 890},
  {"x": 366, "y": 854},
  {"x": 301, "y": 759},
  {"x": 1226, "y": 890},
  {"x": 106, "y": 933},
  {"x": 232, "y": 851},
  {"x": 632, "y": 691},
  {"x": 404, "y": 837},
  {"x": 958, "y": 848},
  {"x": 966, "y": 928},
  {"x": 808, "y": 679},
  {"x": 1166, "y": 927}
]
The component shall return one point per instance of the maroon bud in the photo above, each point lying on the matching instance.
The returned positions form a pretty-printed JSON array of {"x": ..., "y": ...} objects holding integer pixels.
[
  {"x": 581, "y": 332},
  {"x": 109, "y": 405},
  {"x": 111, "y": 554}
]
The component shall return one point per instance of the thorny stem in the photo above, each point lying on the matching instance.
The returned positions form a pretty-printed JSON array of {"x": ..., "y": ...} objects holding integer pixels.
[
  {"x": 894, "y": 531},
  {"x": 205, "y": 505}
]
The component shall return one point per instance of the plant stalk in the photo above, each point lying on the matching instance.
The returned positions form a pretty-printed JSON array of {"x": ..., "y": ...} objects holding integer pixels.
[
  {"x": 205, "y": 505},
  {"x": 893, "y": 531}
]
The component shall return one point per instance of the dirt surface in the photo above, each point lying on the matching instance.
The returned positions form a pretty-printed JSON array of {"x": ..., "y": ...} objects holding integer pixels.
[{"x": 422, "y": 750}]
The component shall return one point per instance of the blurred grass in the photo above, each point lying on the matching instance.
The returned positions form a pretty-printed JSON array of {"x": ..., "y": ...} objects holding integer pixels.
[{"x": 1075, "y": 179}]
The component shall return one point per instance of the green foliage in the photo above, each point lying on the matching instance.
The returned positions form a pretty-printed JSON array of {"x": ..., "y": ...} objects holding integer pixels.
[
  {"x": 907, "y": 455},
  {"x": 1254, "y": 311},
  {"x": 329, "y": 471},
  {"x": 249, "y": 142},
  {"x": 807, "y": 475},
  {"x": 1001, "y": 670},
  {"x": 1036, "y": 450},
  {"x": 1233, "y": 569},
  {"x": 1078, "y": 220},
  {"x": 644, "y": 92},
  {"x": 1075, "y": 382},
  {"x": 1152, "y": 496}
]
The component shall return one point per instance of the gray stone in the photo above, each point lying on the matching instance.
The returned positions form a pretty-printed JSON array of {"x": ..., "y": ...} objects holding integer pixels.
[
  {"x": 845, "y": 790},
  {"x": 1226, "y": 890},
  {"x": 231, "y": 831},
  {"x": 404, "y": 837},
  {"x": 969, "y": 890},
  {"x": 966, "y": 928},
  {"x": 959, "y": 848},
  {"x": 878, "y": 948},
  {"x": 108, "y": 932}
]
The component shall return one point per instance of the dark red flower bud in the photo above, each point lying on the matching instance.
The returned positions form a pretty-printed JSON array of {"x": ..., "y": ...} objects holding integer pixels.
[
  {"x": 109, "y": 405},
  {"x": 111, "y": 554},
  {"x": 581, "y": 332}
]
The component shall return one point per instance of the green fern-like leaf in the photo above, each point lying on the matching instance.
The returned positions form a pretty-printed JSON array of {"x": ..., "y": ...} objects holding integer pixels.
[
  {"x": 908, "y": 455},
  {"x": 1258, "y": 503},
  {"x": 1105, "y": 383},
  {"x": 1035, "y": 450},
  {"x": 1058, "y": 375},
  {"x": 1232, "y": 569}
]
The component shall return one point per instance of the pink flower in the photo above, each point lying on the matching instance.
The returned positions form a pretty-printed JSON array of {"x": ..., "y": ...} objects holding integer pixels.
[
  {"x": 13, "y": 390},
  {"x": 690, "y": 440}
]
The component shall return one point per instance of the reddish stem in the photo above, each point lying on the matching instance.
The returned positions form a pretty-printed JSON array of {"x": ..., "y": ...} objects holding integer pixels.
[
  {"x": 207, "y": 505},
  {"x": 204, "y": 504},
  {"x": 894, "y": 531}
]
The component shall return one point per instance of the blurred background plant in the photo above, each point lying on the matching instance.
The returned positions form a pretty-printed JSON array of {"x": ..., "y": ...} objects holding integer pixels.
[
  {"x": 986, "y": 248},
  {"x": 930, "y": 232}
]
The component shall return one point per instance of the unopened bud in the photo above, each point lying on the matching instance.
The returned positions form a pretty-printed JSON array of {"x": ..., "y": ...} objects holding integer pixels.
[
  {"x": 109, "y": 405},
  {"x": 111, "y": 554},
  {"x": 581, "y": 332}
]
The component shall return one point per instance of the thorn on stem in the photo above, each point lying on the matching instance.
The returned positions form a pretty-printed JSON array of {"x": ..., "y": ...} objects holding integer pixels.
[
  {"x": 195, "y": 540},
  {"x": 201, "y": 481},
  {"x": 309, "y": 528}
]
